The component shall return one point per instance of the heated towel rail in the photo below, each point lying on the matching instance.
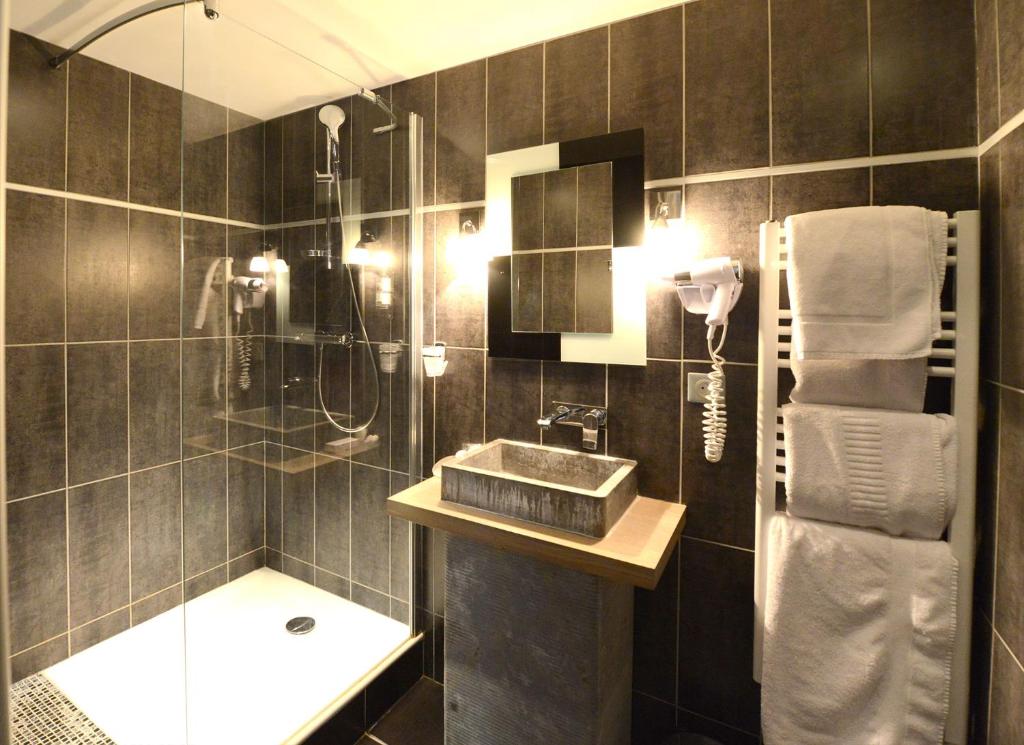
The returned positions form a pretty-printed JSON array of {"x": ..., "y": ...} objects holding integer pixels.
[{"x": 954, "y": 356}]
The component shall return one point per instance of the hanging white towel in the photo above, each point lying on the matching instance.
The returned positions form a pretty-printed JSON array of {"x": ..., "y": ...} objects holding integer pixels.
[
  {"x": 865, "y": 282},
  {"x": 875, "y": 469},
  {"x": 859, "y": 630},
  {"x": 874, "y": 384}
]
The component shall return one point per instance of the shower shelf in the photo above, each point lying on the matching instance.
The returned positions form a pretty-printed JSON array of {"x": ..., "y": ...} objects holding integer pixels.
[
  {"x": 295, "y": 418},
  {"x": 300, "y": 463}
]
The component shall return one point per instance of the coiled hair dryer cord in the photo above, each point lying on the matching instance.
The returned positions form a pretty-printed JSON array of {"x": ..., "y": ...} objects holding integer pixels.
[{"x": 715, "y": 424}]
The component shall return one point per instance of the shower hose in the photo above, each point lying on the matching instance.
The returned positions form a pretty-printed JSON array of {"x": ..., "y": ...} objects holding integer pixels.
[{"x": 362, "y": 328}]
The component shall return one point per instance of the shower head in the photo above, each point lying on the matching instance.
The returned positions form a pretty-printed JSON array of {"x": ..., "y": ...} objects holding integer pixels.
[{"x": 332, "y": 117}]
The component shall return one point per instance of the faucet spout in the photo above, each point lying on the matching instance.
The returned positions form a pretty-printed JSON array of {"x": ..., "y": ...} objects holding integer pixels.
[{"x": 559, "y": 414}]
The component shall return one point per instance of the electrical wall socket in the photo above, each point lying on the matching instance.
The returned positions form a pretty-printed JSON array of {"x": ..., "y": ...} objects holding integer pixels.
[{"x": 697, "y": 385}]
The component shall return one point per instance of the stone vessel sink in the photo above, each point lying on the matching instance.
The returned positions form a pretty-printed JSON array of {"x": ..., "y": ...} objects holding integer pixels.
[{"x": 580, "y": 492}]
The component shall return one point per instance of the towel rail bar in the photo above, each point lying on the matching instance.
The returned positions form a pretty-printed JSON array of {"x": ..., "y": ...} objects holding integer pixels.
[
  {"x": 784, "y": 264},
  {"x": 938, "y": 353},
  {"x": 960, "y": 325},
  {"x": 944, "y": 335},
  {"x": 947, "y": 316}
]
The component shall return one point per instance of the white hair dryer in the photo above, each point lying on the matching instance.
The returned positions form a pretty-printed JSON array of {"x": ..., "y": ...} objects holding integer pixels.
[{"x": 712, "y": 287}]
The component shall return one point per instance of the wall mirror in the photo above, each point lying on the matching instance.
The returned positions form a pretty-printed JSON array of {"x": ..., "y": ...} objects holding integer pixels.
[
  {"x": 565, "y": 222},
  {"x": 562, "y": 250}
]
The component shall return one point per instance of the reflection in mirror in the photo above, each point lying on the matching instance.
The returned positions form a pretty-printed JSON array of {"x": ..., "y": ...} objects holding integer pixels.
[{"x": 561, "y": 244}]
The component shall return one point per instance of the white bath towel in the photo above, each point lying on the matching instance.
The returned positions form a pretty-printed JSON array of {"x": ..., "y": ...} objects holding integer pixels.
[
  {"x": 875, "y": 469},
  {"x": 859, "y": 631},
  {"x": 865, "y": 282},
  {"x": 873, "y": 384}
]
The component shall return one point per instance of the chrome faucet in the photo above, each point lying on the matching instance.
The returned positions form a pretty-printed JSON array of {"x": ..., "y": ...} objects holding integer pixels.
[
  {"x": 589, "y": 418},
  {"x": 561, "y": 413}
]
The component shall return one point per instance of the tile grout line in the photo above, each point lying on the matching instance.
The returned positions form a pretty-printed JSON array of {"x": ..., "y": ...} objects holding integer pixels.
[
  {"x": 771, "y": 111},
  {"x": 67, "y": 450},
  {"x": 999, "y": 77},
  {"x": 128, "y": 347},
  {"x": 871, "y": 95},
  {"x": 995, "y": 557},
  {"x": 871, "y": 107}
]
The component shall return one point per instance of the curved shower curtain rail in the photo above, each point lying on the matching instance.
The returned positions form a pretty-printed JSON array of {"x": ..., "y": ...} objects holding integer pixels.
[{"x": 210, "y": 7}]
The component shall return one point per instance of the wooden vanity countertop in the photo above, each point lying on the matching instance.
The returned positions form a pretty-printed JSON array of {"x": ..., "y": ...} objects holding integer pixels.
[{"x": 635, "y": 550}]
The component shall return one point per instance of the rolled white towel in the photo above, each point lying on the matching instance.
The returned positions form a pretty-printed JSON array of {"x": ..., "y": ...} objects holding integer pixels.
[
  {"x": 876, "y": 469},
  {"x": 859, "y": 631}
]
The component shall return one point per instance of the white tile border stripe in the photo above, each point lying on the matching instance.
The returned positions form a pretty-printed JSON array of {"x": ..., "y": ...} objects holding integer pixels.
[
  {"x": 1002, "y": 132},
  {"x": 129, "y": 205},
  {"x": 812, "y": 167}
]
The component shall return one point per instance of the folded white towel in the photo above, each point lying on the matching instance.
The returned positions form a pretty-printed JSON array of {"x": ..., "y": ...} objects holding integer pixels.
[
  {"x": 875, "y": 469},
  {"x": 865, "y": 282},
  {"x": 874, "y": 384},
  {"x": 859, "y": 631}
]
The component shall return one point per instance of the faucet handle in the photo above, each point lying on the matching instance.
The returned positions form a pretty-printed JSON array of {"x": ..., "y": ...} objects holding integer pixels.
[{"x": 593, "y": 420}]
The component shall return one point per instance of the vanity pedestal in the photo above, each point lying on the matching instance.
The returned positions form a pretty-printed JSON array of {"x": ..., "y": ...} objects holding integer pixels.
[
  {"x": 534, "y": 653},
  {"x": 539, "y": 622}
]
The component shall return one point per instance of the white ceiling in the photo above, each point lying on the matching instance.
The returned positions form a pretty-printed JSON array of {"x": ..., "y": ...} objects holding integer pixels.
[{"x": 250, "y": 59}]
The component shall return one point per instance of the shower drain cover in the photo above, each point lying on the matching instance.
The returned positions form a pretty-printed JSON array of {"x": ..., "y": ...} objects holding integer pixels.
[{"x": 300, "y": 625}]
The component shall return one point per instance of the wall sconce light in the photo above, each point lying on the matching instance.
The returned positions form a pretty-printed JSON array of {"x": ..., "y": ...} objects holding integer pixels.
[
  {"x": 367, "y": 252},
  {"x": 666, "y": 206},
  {"x": 465, "y": 251},
  {"x": 385, "y": 294},
  {"x": 669, "y": 238},
  {"x": 360, "y": 253}
]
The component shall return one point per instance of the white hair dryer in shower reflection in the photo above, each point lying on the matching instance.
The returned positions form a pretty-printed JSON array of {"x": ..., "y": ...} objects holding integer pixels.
[
  {"x": 245, "y": 287},
  {"x": 712, "y": 287}
]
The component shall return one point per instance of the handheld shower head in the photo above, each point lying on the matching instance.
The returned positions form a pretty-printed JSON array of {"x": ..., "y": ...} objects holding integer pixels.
[{"x": 332, "y": 117}]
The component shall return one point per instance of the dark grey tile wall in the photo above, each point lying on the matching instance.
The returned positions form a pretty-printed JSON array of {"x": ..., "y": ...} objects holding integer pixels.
[
  {"x": 34, "y": 271},
  {"x": 97, "y": 411},
  {"x": 98, "y": 129},
  {"x": 819, "y": 81},
  {"x": 998, "y": 660},
  {"x": 912, "y": 67},
  {"x": 515, "y": 115},
  {"x": 461, "y": 133},
  {"x": 693, "y": 663},
  {"x": 97, "y": 272},
  {"x": 155, "y": 142},
  {"x": 726, "y": 85},
  {"x": 95, "y": 353},
  {"x": 646, "y": 87},
  {"x": 37, "y": 104},
  {"x": 1011, "y": 59}
]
